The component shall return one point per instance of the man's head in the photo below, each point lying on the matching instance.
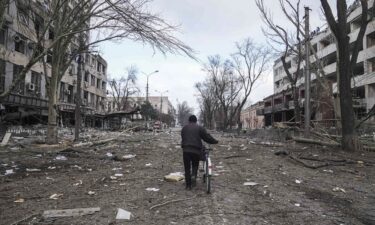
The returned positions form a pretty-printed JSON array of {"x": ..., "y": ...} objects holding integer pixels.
[{"x": 192, "y": 119}]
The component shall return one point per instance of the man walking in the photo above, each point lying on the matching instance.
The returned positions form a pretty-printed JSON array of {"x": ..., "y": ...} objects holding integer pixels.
[{"x": 192, "y": 135}]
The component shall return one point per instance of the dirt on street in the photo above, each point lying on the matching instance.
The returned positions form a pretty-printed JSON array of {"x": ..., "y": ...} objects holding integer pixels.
[{"x": 294, "y": 183}]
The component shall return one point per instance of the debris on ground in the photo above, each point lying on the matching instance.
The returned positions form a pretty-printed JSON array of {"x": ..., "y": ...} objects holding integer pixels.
[
  {"x": 250, "y": 184},
  {"x": 338, "y": 189},
  {"x": 123, "y": 214},
  {"x": 55, "y": 196},
  {"x": 174, "y": 177},
  {"x": 152, "y": 189},
  {"x": 6, "y": 138},
  {"x": 70, "y": 212}
]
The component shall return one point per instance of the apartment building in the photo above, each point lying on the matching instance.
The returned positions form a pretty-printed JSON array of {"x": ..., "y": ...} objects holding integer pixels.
[
  {"x": 161, "y": 104},
  {"x": 279, "y": 107},
  {"x": 250, "y": 118},
  {"x": 29, "y": 99}
]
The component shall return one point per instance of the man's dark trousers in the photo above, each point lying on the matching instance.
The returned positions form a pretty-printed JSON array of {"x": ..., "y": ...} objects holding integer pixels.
[{"x": 191, "y": 160}]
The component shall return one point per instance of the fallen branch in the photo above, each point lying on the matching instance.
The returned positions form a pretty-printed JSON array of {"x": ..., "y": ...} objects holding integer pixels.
[
  {"x": 235, "y": 156},
  {"x": 310, "y": 141},
  {"x": 23, "y": 219},
  {"x": 172, "y": 201},
  {"x": 307, "y": 165}
]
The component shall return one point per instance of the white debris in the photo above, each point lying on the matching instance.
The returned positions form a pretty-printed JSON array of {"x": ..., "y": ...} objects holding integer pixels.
[
  {"x": 219, "y": 167},
  {"x": 174, "y": 177},
  {"x": 8, "y": 172},
  {"x": 52, "y": 167},
  {"x": 61, "y": 157},
  {"x": 129, "y": 156},
  {"x": 337, "y": 189},
  {"x": 32, "y": 170},
  {"x": 328, "y": 171},
  {"x": 109, "y": 154},
  {"x": 249, "y": 159},
  {"x": 148, "y": 164},
  {"x": 250, "y": 183},
  {"x": 55, "y": 196},
  {"x": 298, "y": 181},
  {"x": 20, "y": 200},
  {"x": 297, "y": 204},
  {"x": 119, "y": 168},
  {"x": 119, "y": 175},
  {"x": 123, "y": 214},
  {"x": 152, "y": 189},
  {"x": 91, "y": 193},
  {"x": 79, "y": 183},
  {"x": 113, "y": 178}
]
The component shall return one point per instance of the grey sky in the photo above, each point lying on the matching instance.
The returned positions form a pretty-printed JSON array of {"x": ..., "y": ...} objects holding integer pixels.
[{"x": 210, "y": 27}]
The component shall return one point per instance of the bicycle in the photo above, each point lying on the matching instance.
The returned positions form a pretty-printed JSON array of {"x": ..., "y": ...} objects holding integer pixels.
[{"x": 207, "y": 167}]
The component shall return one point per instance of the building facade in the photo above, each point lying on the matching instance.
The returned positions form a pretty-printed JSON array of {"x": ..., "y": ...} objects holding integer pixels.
[
  {"x": 29, "y": 98},
  {"x": 250, "y": 118},
  {"x": 279, "y": 107}
]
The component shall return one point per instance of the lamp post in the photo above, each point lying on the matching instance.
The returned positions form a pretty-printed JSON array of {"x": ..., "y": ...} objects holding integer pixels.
[
  {"x": 148, "y": 75},
  {"x": 161, "y": 99}
]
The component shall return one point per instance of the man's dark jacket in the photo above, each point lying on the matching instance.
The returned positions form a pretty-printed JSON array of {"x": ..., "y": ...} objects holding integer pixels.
[{"x": 192, "y": 136}]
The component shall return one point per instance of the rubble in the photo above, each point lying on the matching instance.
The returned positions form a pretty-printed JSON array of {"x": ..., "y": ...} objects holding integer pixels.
[{"x": 70, "y": 212}]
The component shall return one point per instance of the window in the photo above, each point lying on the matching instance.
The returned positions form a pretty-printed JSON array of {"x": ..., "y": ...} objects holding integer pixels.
[
  {"x": 371, "y": 39},
  {"x": 2, "y": 75},
  {"x": 62, "y": 90},
  {"x": 51, "y": 34},
  {"x": 49, "y": 57},
  {"x": 86, "y": 78},
  {"x": 98, "y": 83},
  {"x": 103, "y": 85},
  {"x": 20, "y": 87},
  {"x": 92, "y": 80},
  {"x": 19, "y": 43},
  {"x": 36, "y": 81}
]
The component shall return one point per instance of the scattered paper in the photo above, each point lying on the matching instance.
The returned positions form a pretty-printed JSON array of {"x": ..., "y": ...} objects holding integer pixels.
[
  {"x": 152, "y": 189},
  {"x": 123, "y": 215},
  {"x": 32, "y": 170},
  {"x": 8, "y": 172},
  {"x": 20, "y": 200},
  {"x": 119, "y": 175},
  {"x": 337, "y": 189},
  {"x": 148, "y": 164},
  {"x": 91, "y": 193},
  {"x": 55, "y": 196},
  {"x": 298, "y": 181},
  {"x": 297, "y": 204},
  {"x": 109, "y": 154},
  {"x": 250, "y": 183},
  {"x": 61, "y": 157},
  {"x": 129, "y": 156}
]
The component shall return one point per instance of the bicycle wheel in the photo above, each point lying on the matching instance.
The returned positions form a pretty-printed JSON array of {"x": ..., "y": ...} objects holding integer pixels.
[{"x": 207, "y": 179}]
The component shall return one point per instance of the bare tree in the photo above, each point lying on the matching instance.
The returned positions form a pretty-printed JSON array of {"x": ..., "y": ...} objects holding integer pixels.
[
  {"x": 183, "y": 113},
  {"x": 226, "y": 88},
  {"x": 110, "y": 20},
  {"x": 347, "y": 59},
  {"x": 250, "y": 63},
  {"x": 123, "y": 88},
  {"x": 208, "y": 102}
]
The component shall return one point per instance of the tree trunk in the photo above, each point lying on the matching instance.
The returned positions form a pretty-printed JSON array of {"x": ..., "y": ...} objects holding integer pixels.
[
  {"x": 52, "y": 113},
  {"x": 77, "y": 116},
  {"x": 350, "y": 141},
  {"x": 297, "y": 109}
]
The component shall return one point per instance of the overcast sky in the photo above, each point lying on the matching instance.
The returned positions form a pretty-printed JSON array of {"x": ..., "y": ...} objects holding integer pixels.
[{"x": 208, "y": 26}]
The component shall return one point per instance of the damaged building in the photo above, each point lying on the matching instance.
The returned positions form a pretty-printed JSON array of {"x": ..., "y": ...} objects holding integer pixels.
[
  {"x": 279, "y": 107},
  {"x": 28, "y": 102}
]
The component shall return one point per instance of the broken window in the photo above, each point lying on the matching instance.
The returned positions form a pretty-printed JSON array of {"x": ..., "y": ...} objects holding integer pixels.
[
  {"x": 2, "y": 75},
  {"x": 371, "y": 39},
  {"x": 104, "y": 85},
  {"x": 62, "y": 90},
  {"x": 20, "y": 87},
  {"x": 371, "y": 65},
  {"x": 92, "y": 80},
  {"x": 36, "y": 81},
  {"x": 98, "y": 83},
  {"x": 86, "y": 79},
  {"x": 19, "y": 43}
]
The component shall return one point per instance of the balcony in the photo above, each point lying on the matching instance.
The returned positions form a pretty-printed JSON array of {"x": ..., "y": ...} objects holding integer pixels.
[
  {"x": 267, "y": 110},
  {"x": 21, "y": 100}
]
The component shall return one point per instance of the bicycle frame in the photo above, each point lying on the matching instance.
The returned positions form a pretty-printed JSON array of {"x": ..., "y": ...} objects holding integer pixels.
[{"x": 208, "y": 161}]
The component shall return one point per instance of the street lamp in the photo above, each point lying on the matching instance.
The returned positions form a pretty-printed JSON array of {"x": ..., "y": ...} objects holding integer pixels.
[
  {"x": 161, "y": 99},
  {"x": 148, "y": 75}
]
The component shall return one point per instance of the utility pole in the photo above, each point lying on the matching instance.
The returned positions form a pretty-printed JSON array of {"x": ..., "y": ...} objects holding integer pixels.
[
  {"x": 161, "y": 100},
  {"x": 307, "y": 73},
  {"x": 148, "y": 75}
]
